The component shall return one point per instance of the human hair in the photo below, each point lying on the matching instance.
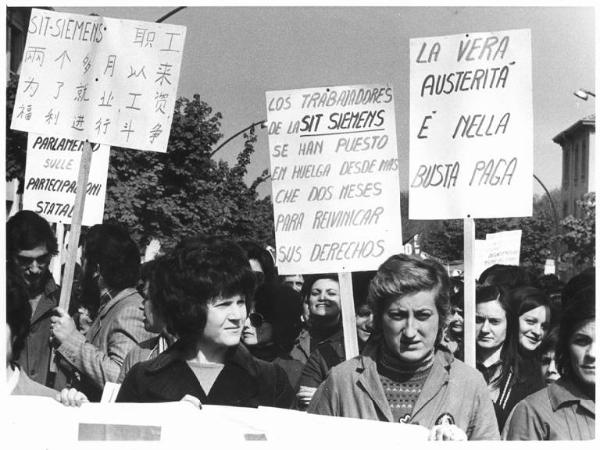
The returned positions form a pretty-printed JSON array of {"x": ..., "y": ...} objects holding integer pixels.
[
  {"x": 509, "y": 355},
  {"x": 526, "y": 298},
  {"x": 262, "y": 255},
  {"x": 117, "y": 256},
  {"x": 281, "y": 306},
  {"x": 550, "y": 340},
  {"x": 401, "y": 275},
  {"x": 311, "y": 279},
  {"x": 197, "y": 271},
  {"x": 27, "y": 230},
  {"x": 579, "y": 309},
  {"x": 578, "y": 282},
  {"x": 505, "y": 275},
  {"x": 148, "y": 273},
  {"x": 18, "y": 309}
]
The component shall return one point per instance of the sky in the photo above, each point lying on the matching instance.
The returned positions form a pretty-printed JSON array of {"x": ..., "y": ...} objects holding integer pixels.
[{"x": 233, "y": 55}]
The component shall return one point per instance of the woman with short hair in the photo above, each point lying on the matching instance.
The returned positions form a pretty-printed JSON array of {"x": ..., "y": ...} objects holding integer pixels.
[
  {"x": 564, "y": 410},
  {"x": 205, "y": 284},
  {"x": 401, "y": 376}
]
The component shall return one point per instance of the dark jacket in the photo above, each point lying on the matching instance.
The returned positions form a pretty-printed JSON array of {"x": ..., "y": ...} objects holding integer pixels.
[
  {"x": 244, "y": 381},
  {"x": 34, "y": 359}
]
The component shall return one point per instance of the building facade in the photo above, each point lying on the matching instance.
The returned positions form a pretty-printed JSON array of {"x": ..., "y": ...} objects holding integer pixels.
[{"x": 578, "y": 144}]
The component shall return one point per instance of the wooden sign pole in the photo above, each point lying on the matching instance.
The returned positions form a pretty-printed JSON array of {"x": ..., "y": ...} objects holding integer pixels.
[
  {"x": 82, "y": 180},
  {"x": 469, "y": 290},
  {"x": 57, "y": 260},
  {"x": 348, "y": 315}
]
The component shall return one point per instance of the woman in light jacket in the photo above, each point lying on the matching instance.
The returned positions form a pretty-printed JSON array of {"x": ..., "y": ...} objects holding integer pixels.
[{"x": 400, "y": 376}]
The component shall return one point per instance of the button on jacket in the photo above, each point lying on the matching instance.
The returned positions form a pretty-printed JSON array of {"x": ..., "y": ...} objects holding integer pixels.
[
  {"x": 353, "y": 389},
  {"x": 557, "y": 412}
]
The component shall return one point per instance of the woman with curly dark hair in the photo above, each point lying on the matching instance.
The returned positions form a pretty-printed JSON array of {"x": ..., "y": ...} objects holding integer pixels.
[{"x": 204, "y": 286}]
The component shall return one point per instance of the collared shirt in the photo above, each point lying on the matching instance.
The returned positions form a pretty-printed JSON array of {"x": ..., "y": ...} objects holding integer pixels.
[{"x": 558, "y": 412}]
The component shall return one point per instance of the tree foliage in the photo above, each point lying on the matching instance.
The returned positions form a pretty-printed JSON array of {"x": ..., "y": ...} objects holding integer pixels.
[
  {"x": 178, "y": 193},
  {"x": 444, "y": 239},
  {"x": 578, "y": 236}
]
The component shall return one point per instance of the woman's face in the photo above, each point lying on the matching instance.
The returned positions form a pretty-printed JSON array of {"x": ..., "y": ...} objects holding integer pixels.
[
  {"x": 548, "y": 367},
  {"x": 410, "y": 325},
  {"x": 224, "y": 321},
  {"x": 324, "y": 298},
  {"x": 364, "y": 322},
  {"x": 533, "y": 325},
  {"x": 582, "y": 352},
  {"x": 256, "y": 330},
  {"x": 490, "y": 325},
  {"x": 152, "y": 322}
]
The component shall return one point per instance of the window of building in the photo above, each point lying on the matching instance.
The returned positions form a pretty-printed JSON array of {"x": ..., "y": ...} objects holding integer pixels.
[
  {"x": 584, "y": 159},
  {"x": 576, "y": 163},
  {"x": 566, "y": 157}
]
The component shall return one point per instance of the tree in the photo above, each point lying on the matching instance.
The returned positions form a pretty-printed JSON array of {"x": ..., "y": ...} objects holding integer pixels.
[
  {"x": 578, "y": 234},
  {"x": 177, "y": 193}
]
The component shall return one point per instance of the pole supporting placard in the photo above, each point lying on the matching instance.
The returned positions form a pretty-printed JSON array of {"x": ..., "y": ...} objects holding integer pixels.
[
  {"x": 348, "y": 315},
  {"x": 469, "y": 290}
]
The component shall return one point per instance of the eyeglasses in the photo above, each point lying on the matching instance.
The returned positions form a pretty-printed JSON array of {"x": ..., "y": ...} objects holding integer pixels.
[
  {"x": 27, "y": 261},
  {"x": 256, "y": 319}
]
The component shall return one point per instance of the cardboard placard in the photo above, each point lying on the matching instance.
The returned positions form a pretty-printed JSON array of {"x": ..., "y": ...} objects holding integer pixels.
[
  {"x": 471, "y": 126},
  {"x": 51, "y": 179},
  {"x": 497, "y": 248},
  {"x": 335, "y": 178},
  {"x": 106, "y": 80}
]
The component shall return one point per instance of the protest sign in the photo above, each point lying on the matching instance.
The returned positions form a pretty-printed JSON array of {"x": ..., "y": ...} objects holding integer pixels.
[
  {"x": 497, "y": 248},
  {"x": 51, "y": 179},
  {"x": 471, "y": 126},
  {"x": 106, "y": 80},
  {"x": 335, "y": 178}
]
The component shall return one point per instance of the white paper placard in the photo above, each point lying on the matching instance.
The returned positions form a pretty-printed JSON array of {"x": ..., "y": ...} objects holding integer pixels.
[
  {"x": 471, "y": 126},
  {"x": 106, "y": 80},
  {"x": 497, "y": 248},
  {"x": 335, "y": 178},
  {"x": 51, "y": 179}
]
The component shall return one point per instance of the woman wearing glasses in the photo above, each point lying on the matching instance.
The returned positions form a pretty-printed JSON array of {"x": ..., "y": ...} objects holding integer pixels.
[
  {"x": 273, "y": 326},
  {"x": 204, "y": 286}
]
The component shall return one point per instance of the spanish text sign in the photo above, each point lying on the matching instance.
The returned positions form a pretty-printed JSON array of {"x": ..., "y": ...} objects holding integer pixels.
[
  {"x": 51, "y": 179},
  {"x": 471, "y": 126},
  {"x": 108, "y": 81},
  {"x": 335, "y": 178}
]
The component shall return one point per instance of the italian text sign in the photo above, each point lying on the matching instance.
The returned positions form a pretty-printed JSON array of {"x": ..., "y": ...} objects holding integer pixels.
[
  {"x": 335, "y": 178},
  {"x": 105, "y": 80},
  {"x": 471, "y": 126},
  {"x": 51, "y": 179}
]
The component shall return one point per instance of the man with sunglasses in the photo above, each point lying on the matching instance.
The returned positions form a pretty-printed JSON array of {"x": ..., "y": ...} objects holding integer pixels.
[{"x": 30, "y": 245}]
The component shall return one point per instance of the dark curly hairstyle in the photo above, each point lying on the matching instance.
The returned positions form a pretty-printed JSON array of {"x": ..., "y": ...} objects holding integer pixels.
[
  {"x": 27, "y": 230},
  {"x": 281, "y": 306},
  {"x": 580, "y": 308},
  {"x": 505, "y": 275},
  {"x": 198, "y": 270},
  {"x": 18, "y": 309},
  {"x": 262, "y": 255},
  {"x": 400, "y": 275},
  {"x": 117, "y": 256}
]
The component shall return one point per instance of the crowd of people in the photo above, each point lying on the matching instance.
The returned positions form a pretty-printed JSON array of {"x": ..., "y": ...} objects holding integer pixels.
[{"x": 211, "y": 322}]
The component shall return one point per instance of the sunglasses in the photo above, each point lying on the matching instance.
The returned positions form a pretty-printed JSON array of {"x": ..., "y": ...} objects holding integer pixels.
[
  {"x": 27, "y": 261},
  {"x": 256, "y": 319}
]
